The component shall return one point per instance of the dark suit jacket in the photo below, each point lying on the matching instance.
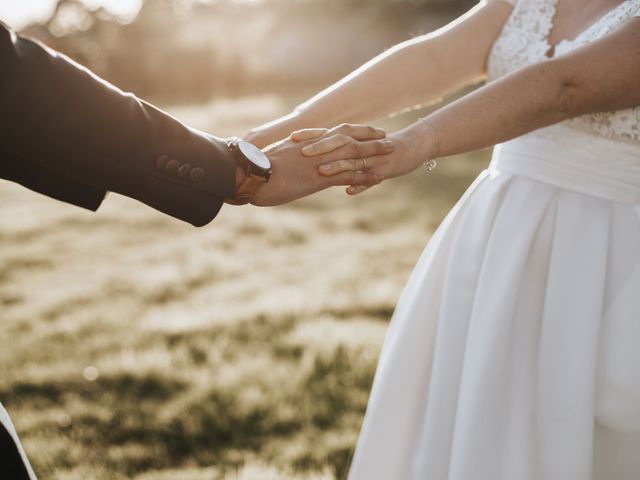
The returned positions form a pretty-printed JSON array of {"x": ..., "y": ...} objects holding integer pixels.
[{"x": 68, "y": 134}]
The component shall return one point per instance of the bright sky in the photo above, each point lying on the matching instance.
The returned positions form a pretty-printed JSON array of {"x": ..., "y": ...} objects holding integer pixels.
[{"x": 18, "y": 13}]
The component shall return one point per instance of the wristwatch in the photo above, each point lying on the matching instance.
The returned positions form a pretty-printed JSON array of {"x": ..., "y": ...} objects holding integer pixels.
[{"x": 254, "y": 164}]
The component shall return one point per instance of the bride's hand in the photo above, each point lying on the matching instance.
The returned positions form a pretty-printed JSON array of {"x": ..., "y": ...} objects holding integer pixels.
[
  {"x": 355, "y": 144},
  {"x": 275, "y": 131},
  {"x": 295, "y": 176},
  {"x": 346, "y": 134},
  {"x": 411, "y": 148}
]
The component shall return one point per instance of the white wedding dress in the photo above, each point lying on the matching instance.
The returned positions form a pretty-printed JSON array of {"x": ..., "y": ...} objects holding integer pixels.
[{"x": 514, "y": 352}]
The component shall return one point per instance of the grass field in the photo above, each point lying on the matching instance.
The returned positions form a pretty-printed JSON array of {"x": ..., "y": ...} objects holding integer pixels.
[{"x": 136, "y": 346}]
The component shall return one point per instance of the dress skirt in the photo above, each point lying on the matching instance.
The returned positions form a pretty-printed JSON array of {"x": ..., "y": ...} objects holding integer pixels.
[
  {"x": 514, "y": 352},
  {"x": 14, "y": 462}
]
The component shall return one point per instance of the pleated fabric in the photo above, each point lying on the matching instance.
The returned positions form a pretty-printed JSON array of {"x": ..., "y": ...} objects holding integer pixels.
[{"x": 514, "y": 352}]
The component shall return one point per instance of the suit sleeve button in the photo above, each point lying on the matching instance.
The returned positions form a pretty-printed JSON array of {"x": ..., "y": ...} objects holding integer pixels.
[
  {"x": 197, "y": 174},
  {"x": 161, "y": 162},
  {"x": 184, "y": 170},
  {"x": 172, "y": 166}
]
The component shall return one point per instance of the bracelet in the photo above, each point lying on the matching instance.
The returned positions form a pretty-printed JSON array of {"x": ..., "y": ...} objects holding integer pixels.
[{"x": 430, "y": 164}]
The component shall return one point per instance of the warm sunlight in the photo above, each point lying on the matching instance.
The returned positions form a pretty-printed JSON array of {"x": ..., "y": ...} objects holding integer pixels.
[
  {"x": 19, "y": 14},
  {"x": 493, "y": 296}
]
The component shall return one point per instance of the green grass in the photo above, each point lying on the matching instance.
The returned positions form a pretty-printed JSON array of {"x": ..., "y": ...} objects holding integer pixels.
[{"x": 138, "y": 347}]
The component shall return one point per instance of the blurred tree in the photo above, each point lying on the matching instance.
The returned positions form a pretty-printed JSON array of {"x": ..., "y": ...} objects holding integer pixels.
[{"x": 177, "y": 50}]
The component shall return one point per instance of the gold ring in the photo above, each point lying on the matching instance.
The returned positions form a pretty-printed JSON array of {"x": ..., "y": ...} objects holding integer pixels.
[{"x": 365, "y": 163}]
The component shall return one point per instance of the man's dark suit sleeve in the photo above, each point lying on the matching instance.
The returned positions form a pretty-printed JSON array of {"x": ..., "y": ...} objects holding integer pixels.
[{"x": 68, "y": 134}]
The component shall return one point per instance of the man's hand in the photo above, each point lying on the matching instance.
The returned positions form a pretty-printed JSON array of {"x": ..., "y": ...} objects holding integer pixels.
[{"x": 295, "y": 176}]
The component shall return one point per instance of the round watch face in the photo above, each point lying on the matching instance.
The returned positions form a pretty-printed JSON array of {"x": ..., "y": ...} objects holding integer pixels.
[{"x": 255, "y": 155}]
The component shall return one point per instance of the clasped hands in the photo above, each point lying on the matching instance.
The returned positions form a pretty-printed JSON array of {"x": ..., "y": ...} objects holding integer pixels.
[{"x": 356, "y": 156}]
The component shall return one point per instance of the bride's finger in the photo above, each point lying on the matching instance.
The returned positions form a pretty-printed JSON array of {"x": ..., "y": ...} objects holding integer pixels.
[
  {"x": 327, "y": 144},
  {"x": 371, "y": 160},
  {"x": 350, "y": 149},
  {"x": 308, "y": 134},
  {"x": 356, "y": 178},
  {"x": 359, "y": 132},
  {"x": 356, "y": 189},
  {"x": 356, "y": 132},
  {"x": 348, "y": 165}
]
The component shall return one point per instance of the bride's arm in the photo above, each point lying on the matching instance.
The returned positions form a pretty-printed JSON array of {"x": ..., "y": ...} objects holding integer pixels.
[
  {"x": 412, "y": 73},
  {"x": 601, "y": 76}
]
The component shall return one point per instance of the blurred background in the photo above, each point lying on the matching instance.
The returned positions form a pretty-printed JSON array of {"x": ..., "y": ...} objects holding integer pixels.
[
  {"x": 135, "y": 346},
  {"x": 228, "y": 47}
]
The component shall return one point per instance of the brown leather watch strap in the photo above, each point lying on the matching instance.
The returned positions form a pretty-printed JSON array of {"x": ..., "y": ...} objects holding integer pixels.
[{"x": 246, "y": 190}]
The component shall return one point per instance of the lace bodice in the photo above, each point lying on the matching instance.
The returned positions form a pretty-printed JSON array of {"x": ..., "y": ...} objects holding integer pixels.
[{"x": 524, "y": 41}]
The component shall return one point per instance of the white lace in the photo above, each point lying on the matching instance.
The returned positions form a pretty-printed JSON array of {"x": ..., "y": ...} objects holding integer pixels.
[{"x": 524, "y": 41}]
